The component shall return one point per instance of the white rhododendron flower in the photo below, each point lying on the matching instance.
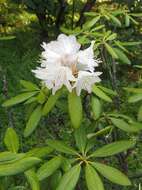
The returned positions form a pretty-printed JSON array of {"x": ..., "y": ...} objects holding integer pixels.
[{"x": 63, "y": 63}]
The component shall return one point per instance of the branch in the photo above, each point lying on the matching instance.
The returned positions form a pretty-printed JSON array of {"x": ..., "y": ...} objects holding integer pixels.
[
  {"x": 60, "y": 15},
  {"x": 5, "y": 93},
  {"x": 87, "y": 7}
]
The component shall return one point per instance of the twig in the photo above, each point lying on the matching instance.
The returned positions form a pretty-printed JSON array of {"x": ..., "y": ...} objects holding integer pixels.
[
  {"x": 5, "y": 93},
  {"x": 60, "y": 15},
  {"x": 89, "y": 4}
]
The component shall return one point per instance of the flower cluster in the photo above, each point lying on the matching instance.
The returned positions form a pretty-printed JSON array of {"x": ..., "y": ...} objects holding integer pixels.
[{"x": 63, "y": 63}]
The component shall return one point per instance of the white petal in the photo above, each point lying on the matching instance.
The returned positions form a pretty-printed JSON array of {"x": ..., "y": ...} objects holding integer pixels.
[
  {"x": 69, "y": 44},
  {"x": 86, "y": 60},
  {"x": 85, "y": 81}
]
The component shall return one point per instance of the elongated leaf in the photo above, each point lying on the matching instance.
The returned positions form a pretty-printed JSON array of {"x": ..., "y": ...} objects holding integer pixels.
[
  {"x": 11, "y": 140},
  {"x": 113, "y": 148},
  {"x": 66, "y": 164},
  {"x": 115, "y": 20},
  {"x": 111, "y": 37},
  {"x": 107, "y": 90},
  {"x": 69, "y": 179},
  {"x": 112, "y": 174},
  {"x": 51, "y": 103},
  {"x": 134, "y": 90},
  {"x": 91, "y": 23},
  {"x": 29, "y": 85},
  {"x": 62, "y": 147},
  {"x": 98, "y": 92},
  {"x": 139, "y": 116},
  {"x": 111, "y": 51},
  {"x": 121, "y": 124},
  {"x": 80, "y": 138},
  {"x": 118, "y": 43},
  {"x": 49, "y": 167},
  {"x": 127, "y": 20},
  {"x": 17, "y": 158},
  {"x": 41, "y": 98},
  {"x": 135, "y": 98},
  {"x": 100, "y": 132},
  {"x": 96, "y": 107},
  {"x": 131, "y": 43},
  {"x": 92, "y": 179},
  {"x": 18, "y": 99},
  {"x": 6, "y": 156},
  {"x": 18, "y": 166},
  {"x": 33, "y": 121},
  {"x": 55, "y": 179},
  {"x": 75, "y": 109},
  {"x": 122, "y": 56},
  {"x": 41, "y": 152},
  {"x": 32, "y": 179}
]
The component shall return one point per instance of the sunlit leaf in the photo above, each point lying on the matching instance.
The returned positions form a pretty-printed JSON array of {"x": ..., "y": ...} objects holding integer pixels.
[
  {"x": 49, "y": 167},
  {"x": 62, "y": 147},
  {"x": 113, "y": 148},
  {"x": 69, "y": 179},
  {"x": 18, "y": 99},
  {"x": 19, "y": 166},
  {"x": 11, "y": 140},
  {"x": 75, "y": 109},
  {"x": 32, "y": 179},
  {"x": 92, "y": 179},
  {"x": 33, "y": 121},
  {"x": 112, "y": 174}
]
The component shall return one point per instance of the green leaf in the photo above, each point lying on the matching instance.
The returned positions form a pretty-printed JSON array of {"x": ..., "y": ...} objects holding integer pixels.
[
  {"x": 17, "y": 157},
  {"x": 111, "y": 51},
  {"x": 131, "y": 43},
  {"x": 19, "y": 166},
  {"x": 33, "y": 121},
  {"x": 75, "y": 109},
  {"x": 29, "y": 85},
  {"x": 11, "y": 140},
  {"x": 7, "y": 156},
  {"x": 119, "y": 44},
  {"x": 122, "y": 56},
  {"x": 121, "y": 124},
  {"x": 91, "y": 23},
  {"x": 107, "y": 90},
  {"x": 55, "y": 179},
  {"x": 135, "y": 98},
  {"x": 51, "y": 103},
  {"x": 111, "y": 37},
  {"x": 41, "y": 98},
  {"x": 92, "y": 179},
  {"x": 112, "y": 174},
  {"x": 32, "y": 179},
  {"x": 66, "y": 164},
  {"x": 69, "y": 179},
  {"x": 127, "y": 20},
  {"x": 80, "y": 138},
  {"x": 113, "y": 148},
  {"x": 98, "y": 92},
  {"x": 100, "y": 132},
  {"x": 139, "y": 116},
  {"x": 7, "y": 37},
  {"x": 96, "y": 107},
  {"x": 115, "y": 20},
  {"x": 62, "y": 147},
  {"x": 40, "y": 152},
  {"x": 18, "y": 99},
  {"x": 134, "y": 90},
  {"x": 49, "y": 167}
]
